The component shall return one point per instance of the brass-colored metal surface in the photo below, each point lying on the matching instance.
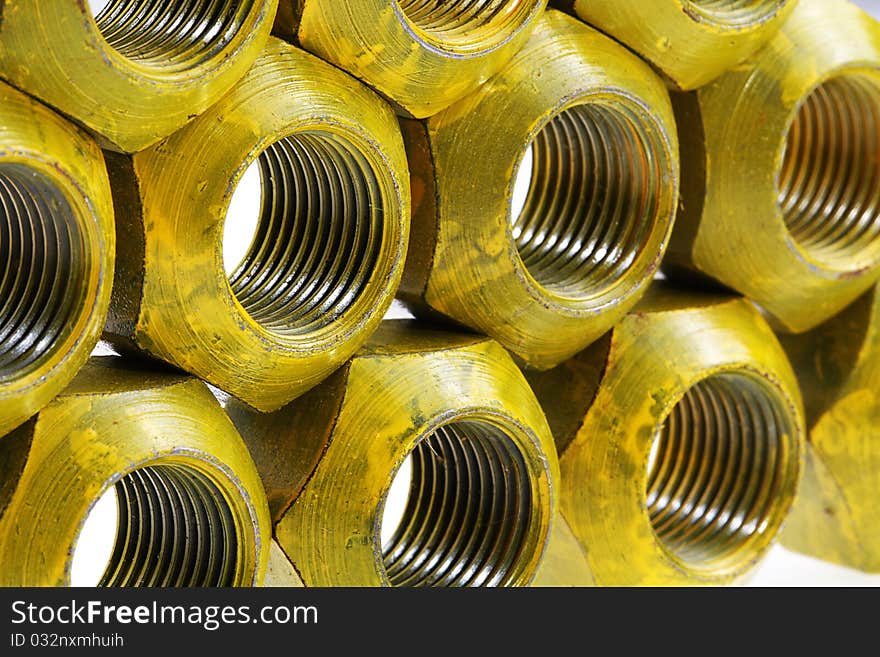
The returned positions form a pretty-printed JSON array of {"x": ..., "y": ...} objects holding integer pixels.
[
  {"x": 691, "y": 41},
  {"x": 565, "y": 559},
  {"x": 280, "y": 573},
  {"x": 780, "y": 172},
  {"x": 836, "y": 516},
  {"x": 680, "y": 437},
  {"x": 137, "y": 71},
  {"x": 484, "y": 467},
  {"x": 327, "y": 255},
  {"x": 422, "y": 56},
  {"x": 192, "y": 509},
  {"x": 56, "y": 254},
  {"x": 604, "y": 185}
]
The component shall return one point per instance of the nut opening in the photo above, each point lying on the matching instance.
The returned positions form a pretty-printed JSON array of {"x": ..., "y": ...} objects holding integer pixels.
[
  {"x": 44, "y": 269},
  {"x": 733, "y": 13},
  {"x": 829, "y": 183},
  {"x": 593, "y": 203},
  {"x": 318, "y": 238},
  {"x": 175, "y": 528},
  {"x": 725, "y": 457},
  {"x": 469, "y": 512},
  {"x": 472, "y": 24},
  {"x": 171, "y": 35}
]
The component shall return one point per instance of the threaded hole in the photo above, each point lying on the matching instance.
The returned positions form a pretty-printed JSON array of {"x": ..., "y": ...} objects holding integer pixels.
[
  {"x": 723, "y": 462},
  {"x": 318, "y": 238},
  {"x": 733, "y": 13},
  {"x": 593, "y": 201},
  {"x": 174, "y": 528},
  {"x": 170, "y": 34},
  {"x": 829, "y": 184},
  {"x": 467, "y": 23},
  {"x": 467, "y": 519},
  {"x": 44, "y": 257}
]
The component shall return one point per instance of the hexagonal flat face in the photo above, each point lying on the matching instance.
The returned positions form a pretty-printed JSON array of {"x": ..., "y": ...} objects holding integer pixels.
[{"x": 107, "y": 375}]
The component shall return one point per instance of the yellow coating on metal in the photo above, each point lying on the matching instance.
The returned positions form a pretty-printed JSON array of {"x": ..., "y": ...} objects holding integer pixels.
[
  {"x": 299, "y": 305},
  {"x": 280, "y": 573},
  {"x": 779, "y": 169},
  {"x": 680, "y": 437},
  {"x": 57, "y": 238},
  {"x": 836, "y": 516},
  {"x": 160, "y": 434},
  {"x": 483, "y": 459},
  {"x": 565, "y": 560},
  {"x": 546, "y": 282},
  {"x": 691, "y": 41},
  {"x": 134, "y": 73},
  {"x": 421, "y": 56}
]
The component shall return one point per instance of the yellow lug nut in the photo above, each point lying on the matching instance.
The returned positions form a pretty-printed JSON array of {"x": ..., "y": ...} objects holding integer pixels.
[
  {"x": 484, "y": 468},
  {"x": 604, "y": 185},
  {"x": 56, "y": 254},
  {"x": 680, "y": 437},
  {"x": 137, "y": 71},
  {"x": 836, "y": 516},
  {"x": 182, "y": 476},
  {"x": 781, "y": 180},
  {"x": 328, "y": 251},
  {"x": 421, "y": 56},
  {"x": 691, "y": 41}
]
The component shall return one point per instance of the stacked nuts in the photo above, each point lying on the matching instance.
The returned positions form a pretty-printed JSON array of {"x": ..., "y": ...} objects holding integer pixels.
[{"x": 639, "y": 373}]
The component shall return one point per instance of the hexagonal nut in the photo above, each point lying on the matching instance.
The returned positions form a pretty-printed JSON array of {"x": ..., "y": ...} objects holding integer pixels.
[
  {"x": 836, "y": 516},
  {"x": 680, "y": 437},
  {"x": 482, "y": 492},
  {"x": 780, "y": 170},
  {"x": 118, "y": 73},
  {"x": 691, "y": 41},
  {"x": 550, "y": 279},
  {"x": 327, "y": 253},
  {"x": 421, "y": 56},
  {"x": 57, "y": 244},
  {"x": 182, "y": 476}
]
